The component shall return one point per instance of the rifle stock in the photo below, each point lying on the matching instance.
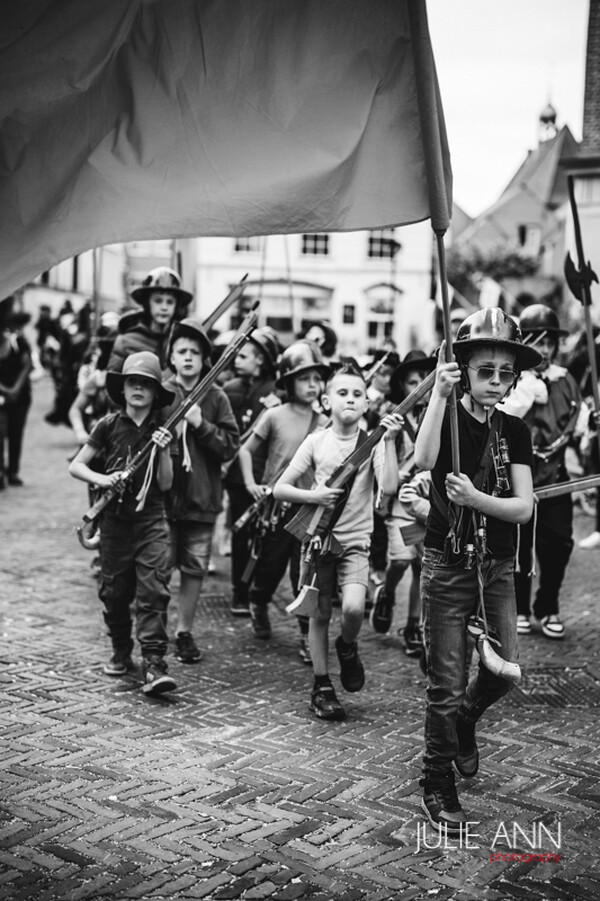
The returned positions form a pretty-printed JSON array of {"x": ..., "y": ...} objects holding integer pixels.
[
  {"x": 311, "y": 517},
  {"x": 199, "y": 392},
  {"x": 587, "y": 482}
]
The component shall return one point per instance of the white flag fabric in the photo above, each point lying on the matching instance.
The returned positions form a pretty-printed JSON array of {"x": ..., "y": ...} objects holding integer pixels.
[{"x": 135, "y": 119}]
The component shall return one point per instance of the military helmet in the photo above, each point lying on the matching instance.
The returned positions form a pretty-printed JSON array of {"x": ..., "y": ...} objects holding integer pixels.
[
  {"x": 538, "y": 318},
  {"x": 492, "y": 326},
  {"x": 263, "y": 339},
  {"x": 299, "y": 357},
  {"x": 161, "y": 279}
]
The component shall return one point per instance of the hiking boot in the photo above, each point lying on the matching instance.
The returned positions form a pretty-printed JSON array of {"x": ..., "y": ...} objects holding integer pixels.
[
  {"x": 413, "y": 639},
  {"x": 156, "y": 677},
  {"x": 119, "y": 664},
  {"x": 440, "y": 802},
  {"x": 187, "y": 649},
  {"x": 261, "y": 625},
  {"x": 304, "y": 652},
  {"x": 466, "y": 762},
  {"x": 523, "y": 625},
  {"x": 325, "y": 705},
  {"x": 552, "y": 626},
  {"x": 382, "y": 612},
  {"x": 352, "y": 672}
]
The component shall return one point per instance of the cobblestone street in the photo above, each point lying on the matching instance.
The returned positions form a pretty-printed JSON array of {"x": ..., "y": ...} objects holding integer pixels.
[{"x": 229, "y": 788}]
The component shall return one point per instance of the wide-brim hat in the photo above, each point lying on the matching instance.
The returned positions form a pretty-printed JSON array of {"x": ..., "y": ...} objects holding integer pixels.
[
  {"x": 414, "y": 360},
  {"x": 144, "y": 364},
  {"x": 161, "y": 279},
  {"x": 191, "y": 328}
]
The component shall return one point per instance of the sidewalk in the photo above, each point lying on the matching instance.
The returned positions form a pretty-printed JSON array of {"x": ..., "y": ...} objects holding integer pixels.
[{"x": 229, "y": 788}]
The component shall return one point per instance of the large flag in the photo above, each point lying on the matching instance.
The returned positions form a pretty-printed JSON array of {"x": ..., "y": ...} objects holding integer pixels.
[{"x": 172, "y": 118}]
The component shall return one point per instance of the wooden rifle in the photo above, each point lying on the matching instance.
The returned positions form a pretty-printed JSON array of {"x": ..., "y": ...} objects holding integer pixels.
[
  {"x": 195, "y": 396},
  {"x": 313, "y": 520},
  {"x": 233, "y": 296},
  {"x": 372, "y": 372}
]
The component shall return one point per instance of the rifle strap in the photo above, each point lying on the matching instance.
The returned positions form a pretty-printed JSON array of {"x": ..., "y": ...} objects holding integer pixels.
[{"x": 343, "y": 499}]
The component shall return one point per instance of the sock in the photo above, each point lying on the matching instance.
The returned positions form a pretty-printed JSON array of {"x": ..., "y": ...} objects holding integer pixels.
[
  {"x": 344, "y": 646},
  {"x": 321, "y": 681}
]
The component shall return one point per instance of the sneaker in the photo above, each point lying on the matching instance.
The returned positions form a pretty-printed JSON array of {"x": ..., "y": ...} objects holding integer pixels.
[
  {"x": 325, "y": 705},
  {"x": 440, "y": 802},
  {"x": 466, "y": 762},
  {"x": 119, "y": 664},
  {"x": 523, "y": 625},
  {"x": 239, "y": 607},
  {"x": 187, "y": 649},
  {"x": 382, "y": 612},
  {"x": 413, "y": 639},
  {"x": 352, "y": 672},
  {"x": 156, "y": 678},
  {"x": 591, "y": 543},
  {"x": 15, "y": 481},
  {"x": 261, "y": 625},
  {"x": 304, "y": 652},
  {"x": 552, "y": 626}
]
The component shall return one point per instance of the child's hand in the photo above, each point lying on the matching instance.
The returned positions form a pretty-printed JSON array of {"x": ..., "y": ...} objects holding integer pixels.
[
  {"x": 162, "y": 437},
  {"x": 109, "y": 480},
  {"x": 404, "y": 476},
  {"x": 447, "y": 374},
  {"x": 460, "y": 489},
  {"x": 194, "y": 416},
  {"x": 257, "y": 491},
  {"x": 325, "y": 496},
  {"x": 394, "y": 423}
]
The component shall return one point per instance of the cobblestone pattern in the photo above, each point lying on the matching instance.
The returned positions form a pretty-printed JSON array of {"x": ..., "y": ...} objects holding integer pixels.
[{"x": 229, "y": 788}]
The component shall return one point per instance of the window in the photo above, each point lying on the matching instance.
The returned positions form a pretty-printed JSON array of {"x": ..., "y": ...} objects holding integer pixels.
[
  {"x": 349, "y": 314},
  {"x": 315, "y": 244},
  {"x": 382, "y": 244},
  {"x": 247, "y": 245}
]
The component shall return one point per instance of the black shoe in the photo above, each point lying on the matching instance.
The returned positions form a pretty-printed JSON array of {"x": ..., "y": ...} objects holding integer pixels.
[
  {"x": 15, "y": 481},
  {"x": 352, "y": 672},
  {"x": 156, "y": 678},
  {"x": 261, "y": 625},
  {"x": 382, "y": 612},
  {"x": 440, "y": 802},
  {"x": 325, "y": 705},
  {"x": 239, "y": 606},
  {"x": 187, "y": 649},
  {"x": 119, "y": 664},
  {"x": 304, "y": 651},
  {"x": 466, "y": 762},
  {"x": 413, "y": 639}
]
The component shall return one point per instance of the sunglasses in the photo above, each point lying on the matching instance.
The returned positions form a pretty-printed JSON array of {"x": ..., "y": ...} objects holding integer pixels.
[{"x": 487, "y": 373}]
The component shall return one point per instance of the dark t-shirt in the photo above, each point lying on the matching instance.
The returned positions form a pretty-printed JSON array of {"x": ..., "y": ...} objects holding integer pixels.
[
  {"x": 472, "y": 439},
  {"x": 118, "y": 438}
]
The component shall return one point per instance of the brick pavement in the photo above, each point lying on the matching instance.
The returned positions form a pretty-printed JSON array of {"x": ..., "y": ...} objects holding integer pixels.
[{"x": 229, "y": 788}]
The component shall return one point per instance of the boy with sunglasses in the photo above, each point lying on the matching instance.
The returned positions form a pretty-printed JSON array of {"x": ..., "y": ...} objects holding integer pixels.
[{"x": 469, "y": 542}]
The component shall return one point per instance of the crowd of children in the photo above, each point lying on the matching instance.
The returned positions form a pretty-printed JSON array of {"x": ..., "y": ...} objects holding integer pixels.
[{"x": 309, "y": 456}]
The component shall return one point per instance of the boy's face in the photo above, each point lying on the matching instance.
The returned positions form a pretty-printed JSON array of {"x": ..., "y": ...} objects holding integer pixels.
[
  {"x": 381, "y": 380},
  {"x": 186, "y": 357},
  {"x": 412, "y": 380},
  {"x": 547, "y": 346},
  {"x": 161, "y": 306},
  {"x": 307, "y": 387},
  {"x": 491, "y": 371},
  {"x": 139, "y": 391},
  {"x": 347, "y": 398},
  {"x": 248, "y": 361}
]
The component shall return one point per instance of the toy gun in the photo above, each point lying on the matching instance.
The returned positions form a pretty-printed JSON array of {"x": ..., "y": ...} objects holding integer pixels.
[
  {"x": 313, "y": 521},
  {"x": 195, "y": 396},
  {"x": 372, "y": 372}
]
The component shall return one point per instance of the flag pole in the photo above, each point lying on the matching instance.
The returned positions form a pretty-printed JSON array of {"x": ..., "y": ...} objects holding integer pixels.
[{"x": 439, "y": 176}]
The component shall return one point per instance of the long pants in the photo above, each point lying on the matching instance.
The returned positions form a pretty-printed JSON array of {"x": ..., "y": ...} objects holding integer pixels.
[
  {"x": 553, "y": 547},
  {"x": 239, "y": 501},
  {"x": 15, "y": 418}
]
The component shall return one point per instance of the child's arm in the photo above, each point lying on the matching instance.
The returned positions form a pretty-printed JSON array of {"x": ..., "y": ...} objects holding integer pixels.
[
  {"x": 80, "y": 469},
  {"x": 389, "y": 477},
  {"x": 247, "y": 451},
  {"x": 427, "y": 445},
  {"x": 517, "y": 508},
  {"x": 220, "y": 434},
  {"x": 162, "y": 437},
  {"x": 285, "y": 488}
]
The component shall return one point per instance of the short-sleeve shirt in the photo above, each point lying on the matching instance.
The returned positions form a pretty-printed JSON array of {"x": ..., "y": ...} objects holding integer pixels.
[
  {"x": 283, "y": 429},
  {"x": 472, "y": 439},
  {"x": 323, "y": 452},
  {"x": 118, "y": 438}
]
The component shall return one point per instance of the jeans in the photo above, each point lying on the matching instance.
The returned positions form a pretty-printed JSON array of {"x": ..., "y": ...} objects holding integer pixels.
[
  {"x": 450, "y": 595},
  {"x": 553, "y": 548}
]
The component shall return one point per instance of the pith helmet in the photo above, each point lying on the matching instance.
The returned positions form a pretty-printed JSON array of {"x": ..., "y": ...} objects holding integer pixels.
[
  {"x": 492, "y": 326},
  {"x": 299, "y": 357},
  {"x": 161, "y": 279},
  {"x": 538, "y": 318},
  {"x": 145, "y": 364}
]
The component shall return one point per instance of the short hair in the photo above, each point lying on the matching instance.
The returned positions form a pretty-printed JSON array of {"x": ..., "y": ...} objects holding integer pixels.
[{"x": 347, "y": 368}]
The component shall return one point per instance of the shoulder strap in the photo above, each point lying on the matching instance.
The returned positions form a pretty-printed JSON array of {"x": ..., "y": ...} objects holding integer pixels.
[{"x": 341, "y": 502}]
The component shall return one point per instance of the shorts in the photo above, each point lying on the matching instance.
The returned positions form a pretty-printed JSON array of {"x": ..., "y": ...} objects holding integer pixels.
[
  {"x": 190, "y": 545},
  {"x": 398, "y": 551},
  {"x": 351, "y": 567}
]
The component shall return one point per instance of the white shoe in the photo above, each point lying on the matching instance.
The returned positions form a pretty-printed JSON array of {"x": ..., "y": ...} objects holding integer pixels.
[
  {"x": 552, "y": 626},
  {"x": 590, "y": 543},
  {"x": 523, "y": 625}
]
